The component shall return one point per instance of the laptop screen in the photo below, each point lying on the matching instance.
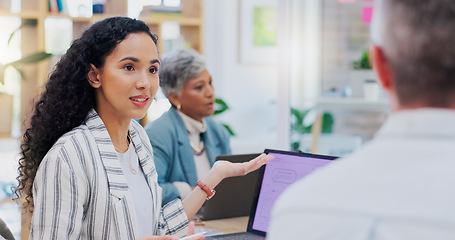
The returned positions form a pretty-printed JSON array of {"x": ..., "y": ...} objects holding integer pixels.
[{"x": 275, "y": 177}]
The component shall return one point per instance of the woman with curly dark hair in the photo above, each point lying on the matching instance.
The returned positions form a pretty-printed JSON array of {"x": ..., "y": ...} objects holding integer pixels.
[{"x": 87, "y": 169}]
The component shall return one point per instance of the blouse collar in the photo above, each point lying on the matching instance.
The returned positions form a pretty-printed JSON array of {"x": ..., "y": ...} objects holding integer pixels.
[{"x": 193, "y": 126}]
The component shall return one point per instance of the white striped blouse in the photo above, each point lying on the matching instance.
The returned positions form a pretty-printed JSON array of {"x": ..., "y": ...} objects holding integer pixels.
[{"x": 80, "y": 191}]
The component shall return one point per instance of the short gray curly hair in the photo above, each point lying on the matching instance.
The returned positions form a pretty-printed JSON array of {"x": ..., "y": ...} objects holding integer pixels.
[{"x": 177, "y": 67}]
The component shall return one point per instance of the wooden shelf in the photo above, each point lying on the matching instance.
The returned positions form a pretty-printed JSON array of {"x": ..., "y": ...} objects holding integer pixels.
[
  {"x": 5, "y": 135},
  {"x": 197, "y": 22},
  {"x": 6, "y": 200},
  {"x": 24, "y": 14},
  {"x": 351, "y": 103},
  {"x": 34, "y": 40},
  {"x": 180, "y": 20}
]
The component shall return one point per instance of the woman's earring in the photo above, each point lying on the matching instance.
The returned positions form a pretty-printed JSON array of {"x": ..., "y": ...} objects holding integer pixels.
[{"x": 179, "y": 106}]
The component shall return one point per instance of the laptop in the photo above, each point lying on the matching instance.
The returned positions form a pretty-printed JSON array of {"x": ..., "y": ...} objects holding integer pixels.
[
  {"x": 234, "y": 195},
  {"x": 273, "y": 178}
]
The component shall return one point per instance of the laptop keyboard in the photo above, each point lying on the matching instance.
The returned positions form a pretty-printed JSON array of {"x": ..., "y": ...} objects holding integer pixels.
[{"x": 236, "y": 236}]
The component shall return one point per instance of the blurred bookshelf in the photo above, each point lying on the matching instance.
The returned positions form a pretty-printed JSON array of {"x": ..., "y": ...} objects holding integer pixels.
[
  {"x": 56, "y": 24},
  {"x": 185, "y": 31}
]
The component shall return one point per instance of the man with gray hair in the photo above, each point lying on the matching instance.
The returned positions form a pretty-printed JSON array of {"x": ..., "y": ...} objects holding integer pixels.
[{"x": 401, "y": 184}]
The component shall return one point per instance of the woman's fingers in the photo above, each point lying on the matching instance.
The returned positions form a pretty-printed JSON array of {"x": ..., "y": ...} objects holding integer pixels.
[
  {"x": 228, "y": 169},
  {"x": 254, "y": 164},
  {"x": 191, "y": 228},
  {"x": 264, "y": 160},
  {"x": 257, "y": 162}
]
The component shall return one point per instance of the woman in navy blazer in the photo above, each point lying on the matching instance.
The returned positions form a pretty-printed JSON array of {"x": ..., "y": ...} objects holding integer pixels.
[{"x": 185, "y": 139}]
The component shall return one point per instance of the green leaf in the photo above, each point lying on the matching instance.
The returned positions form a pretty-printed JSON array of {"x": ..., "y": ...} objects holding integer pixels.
[
  {"x": 295, "y": 145},
  {"x": 221, "y": 106},
  {"x": 299, "y": 125},
  {"x": 327, "y": 123},
  {"x": 229, "y": 129},
  {"x": 33, "y": 58},
  {"x": 297, "y": 114},
  {"x": 363, "y": 63},
  {"x": 2, "y": 74},
  {"x": 20, "y": 71},
  {"x": 26, "y": 22}
]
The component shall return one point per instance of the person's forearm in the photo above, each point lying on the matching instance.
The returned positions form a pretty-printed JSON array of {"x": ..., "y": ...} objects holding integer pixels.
[
  {"x": 220, "y": 170},
  {"x": 197, "y": 197}
]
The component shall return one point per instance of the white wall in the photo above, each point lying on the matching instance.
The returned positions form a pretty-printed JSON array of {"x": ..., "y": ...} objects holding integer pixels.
[
  {"x": 251, "y": 90},
  {"x": 305, "y": 60}
]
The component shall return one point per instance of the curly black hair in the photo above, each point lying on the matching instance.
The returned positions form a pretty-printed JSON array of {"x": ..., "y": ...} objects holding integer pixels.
[{"x": 68, "y": 96}]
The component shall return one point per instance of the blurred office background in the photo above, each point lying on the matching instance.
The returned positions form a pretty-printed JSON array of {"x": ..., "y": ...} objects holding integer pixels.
[{"x": 294, "y": 73}]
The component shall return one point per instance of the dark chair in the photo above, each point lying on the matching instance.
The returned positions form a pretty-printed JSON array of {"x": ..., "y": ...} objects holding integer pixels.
[{"x": 5, "y": 232}]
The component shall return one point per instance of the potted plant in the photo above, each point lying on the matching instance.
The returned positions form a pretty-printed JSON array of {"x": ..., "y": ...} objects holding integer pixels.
[
  {"x": 6, "y": 100},
  {"x": 302, "y": 122},
  {"x": 222, "y": 106},
  {"x": 360, "y": 74},
  {"x": 363, "y": 62}
]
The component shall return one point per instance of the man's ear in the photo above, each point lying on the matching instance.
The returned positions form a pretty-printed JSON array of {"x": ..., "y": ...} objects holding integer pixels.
[
  {"x": 381, "y": 66},
  {"x": 93, "y": 77}
]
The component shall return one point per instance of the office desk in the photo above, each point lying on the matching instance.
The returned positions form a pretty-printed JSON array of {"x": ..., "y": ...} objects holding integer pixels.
[{"x": 226, "y": 225}]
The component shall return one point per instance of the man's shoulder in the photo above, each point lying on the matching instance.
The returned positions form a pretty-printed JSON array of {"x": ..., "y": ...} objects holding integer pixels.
[{"x": 330, "y": 183}]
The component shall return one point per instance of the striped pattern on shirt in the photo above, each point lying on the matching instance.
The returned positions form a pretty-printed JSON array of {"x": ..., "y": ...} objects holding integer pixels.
[{"x": 80, "y": 191}]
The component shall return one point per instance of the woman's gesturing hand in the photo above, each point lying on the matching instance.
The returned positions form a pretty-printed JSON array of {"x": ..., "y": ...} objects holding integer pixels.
[
  {"x": 228, "y": 169},
  {"x": 220, "y": 170}
]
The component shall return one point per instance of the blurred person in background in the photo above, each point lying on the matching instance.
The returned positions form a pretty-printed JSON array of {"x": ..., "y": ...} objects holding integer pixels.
[{"x": 185, "y": 140}]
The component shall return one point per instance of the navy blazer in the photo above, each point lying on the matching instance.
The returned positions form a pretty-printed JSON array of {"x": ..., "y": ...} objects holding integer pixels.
[{"x": 174, "y": 157}]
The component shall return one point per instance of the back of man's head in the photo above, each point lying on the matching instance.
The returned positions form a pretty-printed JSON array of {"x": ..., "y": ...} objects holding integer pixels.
[{"x": 418, "y": 40}]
